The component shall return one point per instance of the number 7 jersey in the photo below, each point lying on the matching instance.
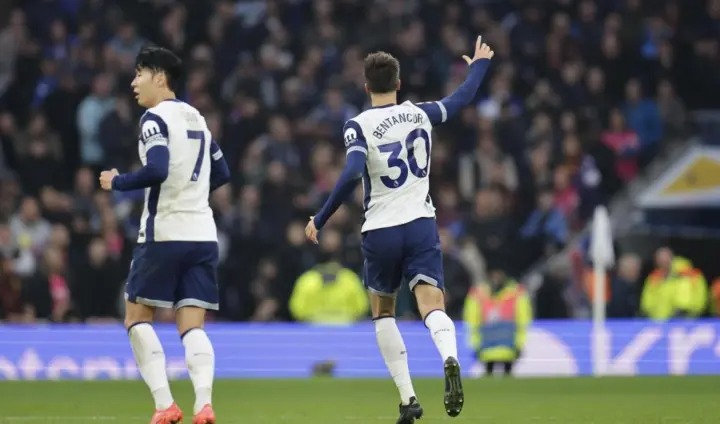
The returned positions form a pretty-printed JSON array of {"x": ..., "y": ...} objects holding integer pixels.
[
  {"x": 397, "y": 141},
  {"x": 178, "y": 209}
]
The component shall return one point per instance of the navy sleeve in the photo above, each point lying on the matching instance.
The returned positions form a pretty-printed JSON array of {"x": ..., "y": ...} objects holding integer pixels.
[
  {"x": 154, "y": 135},
  {"x": 441, "y": 111},
  {"x": 356, "y": 150},
  {"x": 346, "y": 184},
  {"x": 354, "y": 138},
  {"x": 219, "y": 171},
  {"x": 435, "y": 111}
]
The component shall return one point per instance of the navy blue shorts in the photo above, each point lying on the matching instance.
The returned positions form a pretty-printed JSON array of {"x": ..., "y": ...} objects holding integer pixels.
[
  {"x": 174, "y": 274},
  {"x": 405, "y": 253}
]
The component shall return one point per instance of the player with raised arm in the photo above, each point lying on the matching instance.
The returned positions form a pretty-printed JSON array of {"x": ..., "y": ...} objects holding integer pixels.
[
  {"x": 388, "y": 147},
  {"x": 175, "y": 262}
]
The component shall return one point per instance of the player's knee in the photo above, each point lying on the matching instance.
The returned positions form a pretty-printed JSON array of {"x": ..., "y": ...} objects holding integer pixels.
[
  {"x": 384, "y": 313},
  {"x": 382, "y": 306},
  {"x": 429, "y": 298},
  {"x": 136, "y": 313},
  {"x": 189, "y": 318},
  {"x": 130, "y": 322}
]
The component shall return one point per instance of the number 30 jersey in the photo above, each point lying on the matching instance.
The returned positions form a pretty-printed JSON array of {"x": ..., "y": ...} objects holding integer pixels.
[
  {"x": 397, "y": 141},
  {"x": 178, "y": 209}
]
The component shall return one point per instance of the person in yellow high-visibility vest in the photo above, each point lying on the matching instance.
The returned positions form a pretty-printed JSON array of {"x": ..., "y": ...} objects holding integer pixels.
[
  {"x": 675, "y": 289},
  {"x": 497, "y": 316},
  {"x": 329, "y": 293}
]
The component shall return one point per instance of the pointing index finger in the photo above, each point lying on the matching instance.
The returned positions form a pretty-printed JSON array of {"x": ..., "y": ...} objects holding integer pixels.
[{"x": 478, "y": 42}]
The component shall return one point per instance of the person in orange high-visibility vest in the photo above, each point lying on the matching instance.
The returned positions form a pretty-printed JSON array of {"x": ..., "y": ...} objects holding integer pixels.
[
  {"x": 715, "y": 298},
  {"x": 497, "y": 316}
]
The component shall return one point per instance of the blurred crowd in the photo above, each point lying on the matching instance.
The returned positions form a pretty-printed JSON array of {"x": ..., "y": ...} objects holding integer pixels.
[{"x": 582, "y": 94}]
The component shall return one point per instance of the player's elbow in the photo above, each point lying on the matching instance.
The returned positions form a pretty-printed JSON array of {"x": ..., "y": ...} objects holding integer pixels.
[
  {"x": 224, "y": 179},
  {"x": 225, "y": 174},
  {"x": 157, "y": 174},
  {"x": 216, "y": 183},
  {"x": 219, "y": 176}
]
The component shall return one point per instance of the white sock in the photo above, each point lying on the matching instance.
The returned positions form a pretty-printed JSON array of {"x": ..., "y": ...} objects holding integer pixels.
[
  {"x": 442, "y": 331},
  {"x": 394, "y": 353},
  {"x": 150, "y": 358},
  {"x": 200, "y": 358}
]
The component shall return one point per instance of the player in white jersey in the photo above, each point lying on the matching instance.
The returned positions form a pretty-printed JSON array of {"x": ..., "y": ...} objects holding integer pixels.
[
  {"x": 388, "y": 147},
  {"x": 175, "y": 262}
]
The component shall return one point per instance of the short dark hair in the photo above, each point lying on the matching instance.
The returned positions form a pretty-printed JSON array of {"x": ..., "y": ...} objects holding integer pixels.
[
  {"x": 382, "y": 72},
  {"x": 160, "y": 59}
]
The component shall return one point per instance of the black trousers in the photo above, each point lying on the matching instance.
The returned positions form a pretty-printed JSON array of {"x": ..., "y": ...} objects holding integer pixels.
[{"x": 507, "y": 367}]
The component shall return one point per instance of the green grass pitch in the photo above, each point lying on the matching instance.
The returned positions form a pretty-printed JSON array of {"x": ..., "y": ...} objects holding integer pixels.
[{"x": 653, "y": 400}]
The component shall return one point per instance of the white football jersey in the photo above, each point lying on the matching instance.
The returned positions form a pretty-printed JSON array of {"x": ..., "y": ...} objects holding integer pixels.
[
  {"x": 397, "y": 140},
  {"x": 178, "y": 209}
]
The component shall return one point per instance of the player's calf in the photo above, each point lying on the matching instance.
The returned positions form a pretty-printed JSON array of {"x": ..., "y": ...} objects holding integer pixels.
[
  {"x": 391, "y": 345},
  {"x": 200, "y": 358},
  {"x": 431, "y": 303},
  {"x": 149, "y": 353}
]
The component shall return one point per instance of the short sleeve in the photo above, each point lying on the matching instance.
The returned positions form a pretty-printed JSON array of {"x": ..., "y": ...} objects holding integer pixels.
[
  {"x": 435, "y": 111},
  {"x": 354, "y": 138},
  {"x": 153, "y": 131}
]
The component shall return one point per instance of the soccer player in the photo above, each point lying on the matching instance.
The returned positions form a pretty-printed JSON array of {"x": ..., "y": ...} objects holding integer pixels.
[
  {"x": 174, "y": 264},
  {"x": 388, "y": 147}
]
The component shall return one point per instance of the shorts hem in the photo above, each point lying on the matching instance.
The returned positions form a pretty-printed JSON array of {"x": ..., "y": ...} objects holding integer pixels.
[
  {"x": 382, "y": 293},
  {"x": 422, "y": 277},
  {"x": 198, "y": 303},
  {"x": 149, "y": 302}
]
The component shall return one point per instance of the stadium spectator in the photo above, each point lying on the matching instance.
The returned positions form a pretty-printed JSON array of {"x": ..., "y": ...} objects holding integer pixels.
[
  {"x": 715, "y": 298},
  {"x": 328, "y": 293},
  {"x": 624, "y": 300},
  {"x": 672, "y": 109},
  {"x": 46, "y": 294},
  {"x": 643, "y": 116},
  {"x": 624, "y": 143},
  {"x": 91, "y": 112},
  {"x": 97, "y": 284},
  {"x": 498, "y": 314},
  {"x": 675, "y": 289},
  {"x": 546, "y": 229}
]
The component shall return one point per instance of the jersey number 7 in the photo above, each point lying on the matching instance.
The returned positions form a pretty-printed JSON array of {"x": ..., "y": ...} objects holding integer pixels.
[
  {"x": 197, "y": 135},
  {"x": 394, "y": 160}
]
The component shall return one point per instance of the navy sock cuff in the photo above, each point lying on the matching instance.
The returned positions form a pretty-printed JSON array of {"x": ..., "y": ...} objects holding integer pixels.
[
  {"x": 430, "y": 313},
  {"x": 137, "y": 323},
  {"x": 383, "y": 317},
  {"x": 182, "y": 336}
]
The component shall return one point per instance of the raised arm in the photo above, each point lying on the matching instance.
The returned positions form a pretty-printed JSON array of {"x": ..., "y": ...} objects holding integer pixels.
[{"x": 442, "y": 110}]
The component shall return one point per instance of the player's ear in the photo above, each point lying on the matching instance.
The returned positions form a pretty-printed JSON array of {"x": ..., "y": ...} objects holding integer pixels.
[
  {"x": 160, "y": 79},
  {"x": 367, "y": 91},
  {"x": 398, "y": 85}
]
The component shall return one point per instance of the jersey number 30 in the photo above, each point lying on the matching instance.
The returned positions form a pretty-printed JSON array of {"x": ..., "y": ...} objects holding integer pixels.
[
  {"x": 197, "y": 135},
  {"x": 394, "y": 161}
]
